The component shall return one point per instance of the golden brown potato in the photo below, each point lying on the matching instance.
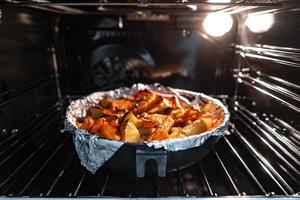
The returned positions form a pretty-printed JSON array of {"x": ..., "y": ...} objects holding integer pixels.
[
  {"x": 149, "y": 116},
  {"x": 130, "y": 133},
  {"x": 161, "y": 133},
  {"x": 176, "y": 132},
  {"x": 208, "y": 122},
  {"x": 195, "y": 127},
  {"x": 210, "y": 107},
  {"x": 156, "y": 117}
]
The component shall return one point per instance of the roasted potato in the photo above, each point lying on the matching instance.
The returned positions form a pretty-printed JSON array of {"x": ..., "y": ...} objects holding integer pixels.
[
  {"x": 149, "y": 116},
  {"x": 210, "y": 107},
  {"x": 130, "y": 133},
  {"x": 195, "y": 127},
  {"x": 161, "y": 133},
  {"x": 176, "y": 132}
]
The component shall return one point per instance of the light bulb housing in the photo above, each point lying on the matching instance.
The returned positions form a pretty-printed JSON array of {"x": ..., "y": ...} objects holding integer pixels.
[
  {"x": 260, "y": 23},
  {"x": 217, "y": 24}
]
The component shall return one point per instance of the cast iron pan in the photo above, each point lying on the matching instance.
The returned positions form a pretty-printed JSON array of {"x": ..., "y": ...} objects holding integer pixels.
[{"x": 140, "y": 160}]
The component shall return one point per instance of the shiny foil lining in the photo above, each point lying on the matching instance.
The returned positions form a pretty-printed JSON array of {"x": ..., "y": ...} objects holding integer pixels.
[{"x": 94, "y": 151}]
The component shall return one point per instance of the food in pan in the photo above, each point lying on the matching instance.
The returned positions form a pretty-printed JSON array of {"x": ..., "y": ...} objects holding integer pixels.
[{"x": 149, "y": 116}]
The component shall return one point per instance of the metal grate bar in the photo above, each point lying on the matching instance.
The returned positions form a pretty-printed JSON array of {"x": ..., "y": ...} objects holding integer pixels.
[
  {"x": 288, "y": 135},
  {"x": 275, "y": 60},
  {"x": 292, "y": 130},
  {"x": 264, "y": 163},
  {"x": 282, "y": 81},
  {"x": 28, "y": 124},
  {"x": 272, "y": 140},
  {"x": 106, "y": 182},
  {"x": 12, "y": 57},
  {"x": 290, "y": 175},
  {"x": 155, "y": 187},
  {"x": 28, "y": 167},
  {"x": 19, "y": 147},
  {"x": 276, "y": 153},
  {"x": 270, "y": 147},
  {"x": 226, "y": 172},
  {"x": 80, "y": 183},
  {"x": 44, "y": 165},
  {"x": 182, "y": 191},
  {"x": 275, "y": 88},
  {"x": 24, "y": 93},
  {"x": 129, "y": 194},
  {"x": 283, "y": 102},
  {"x": 245, "y": 166},
  {"x": 281, "y": 138},
  {"x": 205, "y": 179},
  {"x": 61, "y": 173},
  {"x": 139, "y": 3},
  {"x": 27, "y": 160},
  {"x": 27, "y": 84}
]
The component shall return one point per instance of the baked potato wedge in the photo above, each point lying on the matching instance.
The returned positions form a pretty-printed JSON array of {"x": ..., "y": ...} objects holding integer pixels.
[
  {"x": 195, "y": 128},
  {"x": 149, "y": 116},
  {"x": 130, "y": 133}
]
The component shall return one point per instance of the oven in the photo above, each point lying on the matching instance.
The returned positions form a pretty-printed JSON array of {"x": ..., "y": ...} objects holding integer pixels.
[{"x": 244, "y": 52}]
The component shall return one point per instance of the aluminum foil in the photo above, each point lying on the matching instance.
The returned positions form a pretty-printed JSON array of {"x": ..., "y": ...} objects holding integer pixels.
[{"x": 94, "y": 151}]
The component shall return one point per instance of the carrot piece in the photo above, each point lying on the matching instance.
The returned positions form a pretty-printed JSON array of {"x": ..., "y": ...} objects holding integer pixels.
[
  {"x": 109, "y": 132},
  {"x": 147, "y": 105},
  {"x": 97, "y": 125},
  {"x": 115, "y": 123},
  {"x": 121, "y": 104},
  {"x": 161, "y": 133},
  {"x": 87, "y": 123}
]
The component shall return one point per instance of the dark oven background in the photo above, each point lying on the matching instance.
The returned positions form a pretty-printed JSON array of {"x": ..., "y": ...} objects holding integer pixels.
[{"x": 101, "y": 55}]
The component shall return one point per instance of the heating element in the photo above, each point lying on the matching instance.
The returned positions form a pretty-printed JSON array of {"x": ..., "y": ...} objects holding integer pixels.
[{"x": 258, "y": 156}]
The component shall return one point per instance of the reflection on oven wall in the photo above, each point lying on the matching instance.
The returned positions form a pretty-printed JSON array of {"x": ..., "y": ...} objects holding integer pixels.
[
  {"x": 268, "y": 56},
  {"x": 173, "y": 56}
]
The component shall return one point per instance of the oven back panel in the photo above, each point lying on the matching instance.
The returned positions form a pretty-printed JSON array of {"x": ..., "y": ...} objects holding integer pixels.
[{"x": 171, "y": 53}]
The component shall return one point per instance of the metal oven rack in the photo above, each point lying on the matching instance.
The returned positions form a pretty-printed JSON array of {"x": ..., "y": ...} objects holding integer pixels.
[
  {"x": 121, "y": 7},
  {"x": 254, "y": 159}
]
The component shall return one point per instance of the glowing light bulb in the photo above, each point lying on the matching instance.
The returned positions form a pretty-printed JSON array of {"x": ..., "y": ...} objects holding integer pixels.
[
  {"x": 217, "y": 24},
  {"x": 193, "y": 7},
  {"x": 260, "y": 23}
]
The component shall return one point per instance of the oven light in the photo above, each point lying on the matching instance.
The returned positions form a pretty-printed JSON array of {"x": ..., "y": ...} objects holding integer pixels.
[
  {"x": 193, "y": 7},
  {"x": 217, "y": 24},
  {"x": 260, "y": 23}
]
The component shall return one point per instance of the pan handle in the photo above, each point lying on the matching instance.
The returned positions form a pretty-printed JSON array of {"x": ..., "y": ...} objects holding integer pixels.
[{"x": 159, "y": 156}]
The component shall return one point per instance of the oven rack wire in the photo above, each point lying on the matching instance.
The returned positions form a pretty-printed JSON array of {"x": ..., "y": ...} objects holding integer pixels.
[{"x": 38, "y": 160}]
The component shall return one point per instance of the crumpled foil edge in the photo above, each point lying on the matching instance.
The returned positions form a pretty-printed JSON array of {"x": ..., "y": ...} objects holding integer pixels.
[{"x": 94, "y": 151}]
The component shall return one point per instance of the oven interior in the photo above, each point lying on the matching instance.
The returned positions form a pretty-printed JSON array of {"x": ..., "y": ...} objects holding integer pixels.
[{"x": 52, "y": 52}]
